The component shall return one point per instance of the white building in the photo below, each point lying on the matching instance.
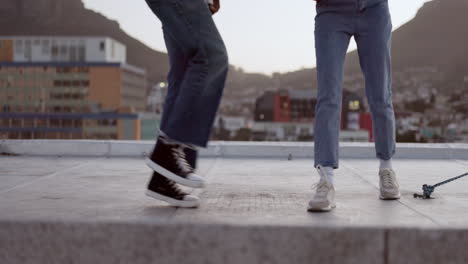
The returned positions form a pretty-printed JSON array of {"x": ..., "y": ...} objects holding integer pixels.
[
  {"x": 293, "y": 131},
  {"x": 287, "y": 131},
  {"x": 230, "y": 123},
  {"x": 157, "y": 97},
  {"x": 66, "y": 49}
]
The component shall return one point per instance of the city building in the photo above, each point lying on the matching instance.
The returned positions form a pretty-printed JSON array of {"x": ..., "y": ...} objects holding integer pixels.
[
  {"x": 352, "y": 107},
  {"x": 302, "y": 105},
  {"x": 149, "y": 123},
  {"x": 265, "y": 106},
  {"x": 282, "y": 131},
  {"x": 61, "y": 49},
  {"x": 226, "y": 127},
  {"x": 288, "y": 115},
  {"x": 69, "y": 87},
  {"x": 156, "y": 97},
  {"x": 286, "y": 106}
]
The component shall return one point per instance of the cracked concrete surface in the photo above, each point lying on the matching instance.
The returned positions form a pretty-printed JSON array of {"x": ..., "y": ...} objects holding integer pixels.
[{"x": 57, "y": 201}]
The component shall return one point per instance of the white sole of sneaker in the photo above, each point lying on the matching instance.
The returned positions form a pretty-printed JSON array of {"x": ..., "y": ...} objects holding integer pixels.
[
  {"x": 390, "y": 197},
  {"x": 166, "y": 173},
  {"x": 172, "y": 201},
  {"x": 324, "y": 209}
]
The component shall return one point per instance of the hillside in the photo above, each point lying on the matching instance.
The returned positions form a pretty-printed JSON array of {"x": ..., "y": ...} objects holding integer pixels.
[
  {"x": 430, "y": 52},
  {"x": 437, "y": 36},
  {"x": 53, "y": 18}
]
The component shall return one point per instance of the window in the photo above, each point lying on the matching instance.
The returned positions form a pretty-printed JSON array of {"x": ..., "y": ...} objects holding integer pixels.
[
  {"x": 27, "y": 49},
  {"x": 354, "y": 105},
  {"x": 83, "y": 69},
  {"x": 63, "y": 51},
  {"x": 81, "y": 53},
  {"x": 55, "y": 52},
  {"x": 45, "y": 47},
  {"x": 19, "y": 46},
  {"x": 102, "y": 46},
  {"x": 73, "y": 55}
]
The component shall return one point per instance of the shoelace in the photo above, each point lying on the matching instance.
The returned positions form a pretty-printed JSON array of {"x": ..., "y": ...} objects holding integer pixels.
[
  {"x": 181, "y": 160},
  {"x": 321, "y": 187},
  {"x": 175, "y": 188},
  {"x": 387, "y": 179}
]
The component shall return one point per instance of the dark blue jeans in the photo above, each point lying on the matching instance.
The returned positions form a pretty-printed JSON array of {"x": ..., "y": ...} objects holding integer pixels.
[
  {"x": 370, "y": 24},
  {"x": 198, "y": 69}
]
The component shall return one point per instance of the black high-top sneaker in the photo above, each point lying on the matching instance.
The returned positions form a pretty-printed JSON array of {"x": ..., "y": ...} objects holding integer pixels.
[
  {"x": 191, "y": 156},
  {"x": 169, "y": 160},
  {"x": 163, "y": 189}
]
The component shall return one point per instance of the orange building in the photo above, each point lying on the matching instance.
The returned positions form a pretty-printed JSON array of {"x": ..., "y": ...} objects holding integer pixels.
[{"x": 69, "y": 99}]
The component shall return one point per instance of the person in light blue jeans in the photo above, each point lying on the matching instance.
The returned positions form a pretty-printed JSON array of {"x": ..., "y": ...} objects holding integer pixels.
[
  {"x": 369, "y": 22},
  {"x": 198, "y": 69}
]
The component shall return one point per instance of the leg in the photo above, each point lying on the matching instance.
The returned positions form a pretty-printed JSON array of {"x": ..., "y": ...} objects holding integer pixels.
[
  {"x": 178, "y": 63},
  {"x": 374, "y": 46},
  {"x": 189, "y": 26},
  {"x": 332, "y": 36}
]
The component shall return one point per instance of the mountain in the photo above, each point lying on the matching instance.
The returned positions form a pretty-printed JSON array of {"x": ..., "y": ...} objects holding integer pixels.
[
  {"x": 437, "y": 37},
  {"x": 70, "y": 17},
  {"x": 430, "y": 52}
]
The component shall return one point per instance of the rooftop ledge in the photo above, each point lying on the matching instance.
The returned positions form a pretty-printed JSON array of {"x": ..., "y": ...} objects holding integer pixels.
[
  {"x": 56, "y": 207},
  {"x": 106, "y": 148}
]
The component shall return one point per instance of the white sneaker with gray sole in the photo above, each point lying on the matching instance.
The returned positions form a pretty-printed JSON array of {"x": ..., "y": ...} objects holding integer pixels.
[
  {"x": 389, "y": 187},
  {"x": 324, "y": 197}
]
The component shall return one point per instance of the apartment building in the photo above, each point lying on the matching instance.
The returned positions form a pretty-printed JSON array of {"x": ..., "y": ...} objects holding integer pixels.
[{"x": 69, "y": 87}]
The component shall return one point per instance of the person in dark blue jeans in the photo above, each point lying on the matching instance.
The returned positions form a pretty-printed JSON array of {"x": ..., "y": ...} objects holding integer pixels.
[
  {"x": 369, "y": 22},
  {"x": 198, "y": 69}
]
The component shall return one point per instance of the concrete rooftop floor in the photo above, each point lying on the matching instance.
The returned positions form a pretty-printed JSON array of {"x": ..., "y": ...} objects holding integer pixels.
[
  {"x": 240, "y": 191},
  {"x": 83, "y": 202}
]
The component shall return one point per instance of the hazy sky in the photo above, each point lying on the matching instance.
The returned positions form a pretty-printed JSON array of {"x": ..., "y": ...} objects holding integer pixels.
[{"x": 261, "y": 35}]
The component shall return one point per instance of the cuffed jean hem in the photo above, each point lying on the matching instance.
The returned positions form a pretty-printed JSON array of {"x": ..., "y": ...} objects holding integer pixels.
[
  {"x": 380, "y": 156},
  {"x": 326, "y": 164},
  {"x": 192, "y": 142}
]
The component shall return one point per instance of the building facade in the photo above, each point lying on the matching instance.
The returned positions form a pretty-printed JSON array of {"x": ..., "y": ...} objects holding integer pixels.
[
  {"x": 69, "y": 88},
  {"x": 62, "y": 49},
  {"x": 288, "y": 115}
]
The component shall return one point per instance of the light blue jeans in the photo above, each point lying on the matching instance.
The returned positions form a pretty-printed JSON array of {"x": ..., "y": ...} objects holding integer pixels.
[
  {"x": 370, "y": 24},
  {"x": 198, "y": 69}
]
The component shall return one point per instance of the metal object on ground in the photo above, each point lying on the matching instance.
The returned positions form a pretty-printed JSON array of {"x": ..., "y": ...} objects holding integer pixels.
[{"x": 429, "y": 189}]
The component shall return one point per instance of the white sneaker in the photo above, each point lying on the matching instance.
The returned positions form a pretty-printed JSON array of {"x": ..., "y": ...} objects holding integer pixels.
[
  {"x": 389, "y": 187},
  {"x": 324, "y": 197}
]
